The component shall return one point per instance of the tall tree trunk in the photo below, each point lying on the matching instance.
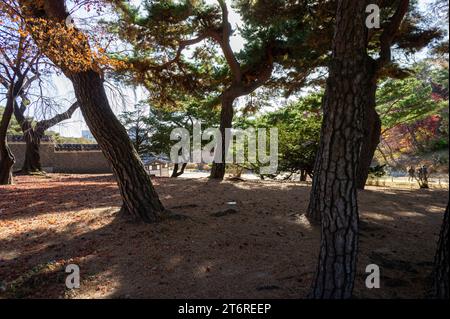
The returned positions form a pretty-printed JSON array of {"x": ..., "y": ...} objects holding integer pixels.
[
  {"x": 32, "y": 162},
  {"x": 334, "y": 195},
  {"x": 226, "y": 121},
  {"x": 138, "y": 194},
  {"x": 7, "y": 159},
  {"x": 441, "y": 277},
  {"x": 371, "y": 139},
  {"x": 139, "y": 197},
  {"x": 372, "y": 122}
]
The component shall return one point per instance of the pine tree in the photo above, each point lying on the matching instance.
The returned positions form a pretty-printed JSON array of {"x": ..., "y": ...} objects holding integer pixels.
[
  {"x": 309, "y": 46},
  {"x": 183, "y": 50},
  {"x": 336, "y": 166},
  {"x": 69, "y": 49}
]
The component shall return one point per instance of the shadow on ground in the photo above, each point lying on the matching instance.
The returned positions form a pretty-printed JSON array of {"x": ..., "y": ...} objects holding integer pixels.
[{"x": 266, "y": 250}]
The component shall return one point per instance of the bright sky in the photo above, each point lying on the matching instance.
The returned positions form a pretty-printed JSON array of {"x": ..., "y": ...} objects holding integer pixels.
[{"x": 61, "y": 87}]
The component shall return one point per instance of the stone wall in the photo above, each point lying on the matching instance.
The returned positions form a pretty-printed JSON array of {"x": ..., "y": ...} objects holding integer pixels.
[{"x": 57, "y": 160}]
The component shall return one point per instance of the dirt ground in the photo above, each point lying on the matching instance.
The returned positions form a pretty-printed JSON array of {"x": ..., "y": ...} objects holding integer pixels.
[{"x": 266, "y": 250}]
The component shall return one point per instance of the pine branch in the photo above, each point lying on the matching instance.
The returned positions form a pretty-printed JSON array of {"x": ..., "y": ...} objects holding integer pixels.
[{"x": 388, "y": 35}]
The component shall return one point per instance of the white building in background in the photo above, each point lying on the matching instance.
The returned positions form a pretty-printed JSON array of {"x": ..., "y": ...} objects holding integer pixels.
[{"x": 87, "y": 135}]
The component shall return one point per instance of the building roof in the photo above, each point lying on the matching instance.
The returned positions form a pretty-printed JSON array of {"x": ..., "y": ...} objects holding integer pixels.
[
  {"x": 77, "y": 147},
  {"x": 146, "y": 159},
  {"x": 155, "y": 159},
  {"x": 21, "y": 139}
]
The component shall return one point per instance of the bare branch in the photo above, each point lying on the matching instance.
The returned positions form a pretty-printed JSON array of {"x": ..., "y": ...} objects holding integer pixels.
[{"x": 46, "y": 124}]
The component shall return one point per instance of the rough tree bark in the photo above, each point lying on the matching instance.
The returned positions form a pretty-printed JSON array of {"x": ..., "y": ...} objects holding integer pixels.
[
  {"x": 7, "y": 159},
  {"x": 371, "y": 139},
  {"x": 372, "y": 125},
  {"x": 33, "y": 135},
  {"x": 334, "y": 195},
  {"x": 241, "y": 84},
  {"x": 441, "y": 278},
  {"x": 139, "y": 197},
  {"x": 138, "y": 194},
  {"x": 226, "y": 120}
]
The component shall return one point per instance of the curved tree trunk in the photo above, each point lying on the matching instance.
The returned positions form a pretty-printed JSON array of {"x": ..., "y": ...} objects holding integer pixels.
[
  {"x": 226, "y": 121},
  {"x": 371, "y": 139},
  {"x": 139, "y": 197},
  {"x": 7, "y": 159},
  {"x": 441, "y": 278},
  {"x": 372, "y": 122},
  {"x": 334, "y": 195}
]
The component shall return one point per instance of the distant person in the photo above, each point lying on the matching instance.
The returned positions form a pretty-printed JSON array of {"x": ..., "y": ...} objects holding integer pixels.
[{"x": 412, "y": 174}]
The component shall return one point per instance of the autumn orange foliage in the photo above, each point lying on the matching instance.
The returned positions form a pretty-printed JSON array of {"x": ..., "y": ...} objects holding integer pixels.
[{"x": 69, "y": 48}]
